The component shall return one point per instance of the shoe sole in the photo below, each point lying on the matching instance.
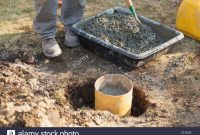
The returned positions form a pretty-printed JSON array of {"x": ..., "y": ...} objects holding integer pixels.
[
  {"x": 51, "y": 57},
  {"x": 71, "y": 46}
]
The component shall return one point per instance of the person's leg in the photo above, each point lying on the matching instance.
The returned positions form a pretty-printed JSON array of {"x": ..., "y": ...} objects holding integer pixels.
[
  {"x": 45, "y": 20},
  {"x": 45, "y": 26},
  {"x": 72, "y": 11}
]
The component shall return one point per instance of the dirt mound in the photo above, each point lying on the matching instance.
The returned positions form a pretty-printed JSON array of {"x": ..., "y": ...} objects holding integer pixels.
[
  {"x": 21, "y": 105},
  {"x": 31, "y": 98}
]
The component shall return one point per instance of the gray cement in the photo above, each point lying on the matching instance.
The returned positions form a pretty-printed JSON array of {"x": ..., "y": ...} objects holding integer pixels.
[
  {"x": 123, "y": 31},
  {"x": 113, "y": 91}
]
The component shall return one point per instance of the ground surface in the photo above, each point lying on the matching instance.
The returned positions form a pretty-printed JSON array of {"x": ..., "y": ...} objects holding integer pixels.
[{"x": 59, "y": 92}]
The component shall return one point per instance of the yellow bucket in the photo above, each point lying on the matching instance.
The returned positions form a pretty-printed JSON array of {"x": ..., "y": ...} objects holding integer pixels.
[
  {"x": 188, "y": 18},
  {"x": 116, "y": 103}
]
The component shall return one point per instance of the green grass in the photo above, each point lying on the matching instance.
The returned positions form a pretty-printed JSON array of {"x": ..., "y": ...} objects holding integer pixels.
[
  {"x": 16, "y": 14},
  {"x": 12, "y": 10}
]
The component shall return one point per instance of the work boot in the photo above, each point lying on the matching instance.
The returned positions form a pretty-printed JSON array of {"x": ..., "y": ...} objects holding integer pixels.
[
  {"x": 71, "y": 39},
  {"x": 51, "y": 48}
]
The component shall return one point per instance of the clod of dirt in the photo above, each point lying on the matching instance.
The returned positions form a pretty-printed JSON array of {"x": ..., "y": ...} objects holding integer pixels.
[
  {"x": 123, "y": 31},
  {"x": 27, "y": 56},
  {"x": 113, "y": 91},
  {"x": 22, "y": 55}
]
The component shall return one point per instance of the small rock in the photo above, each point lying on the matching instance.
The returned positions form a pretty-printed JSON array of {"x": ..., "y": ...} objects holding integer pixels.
[
  {"x": 27, "y": 57},
  {"x": 98, "y": 121},
  {"x": 87, "y": 125},
  {"x": 125, "y": 121},
  {"x": 6, "y": 73}
]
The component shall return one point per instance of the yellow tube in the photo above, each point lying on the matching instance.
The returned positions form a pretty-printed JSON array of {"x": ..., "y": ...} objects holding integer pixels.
[{"x": 119, "y": 105}]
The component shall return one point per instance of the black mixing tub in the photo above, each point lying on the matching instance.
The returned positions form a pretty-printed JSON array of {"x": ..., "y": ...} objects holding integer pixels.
[{"x": 123, "y": 57}]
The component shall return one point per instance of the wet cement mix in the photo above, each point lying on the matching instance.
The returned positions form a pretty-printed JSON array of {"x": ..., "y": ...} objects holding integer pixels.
[
  {"x": 113, "y": 91},
  {"x": 123, "y": 31}
]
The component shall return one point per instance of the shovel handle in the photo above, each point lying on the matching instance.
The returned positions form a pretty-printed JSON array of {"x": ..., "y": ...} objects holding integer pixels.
[
  {"x": 60, "y": 3},
  {"x": 132, "y": 8},
  {"x": 129, "y": 3}
]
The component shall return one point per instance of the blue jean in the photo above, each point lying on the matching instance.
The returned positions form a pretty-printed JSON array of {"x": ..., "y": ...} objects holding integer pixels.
[{"x": 46, "y": 13}]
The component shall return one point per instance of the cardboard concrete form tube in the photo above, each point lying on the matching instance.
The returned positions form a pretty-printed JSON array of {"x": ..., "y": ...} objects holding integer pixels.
[{"x": 119, "y": 105}]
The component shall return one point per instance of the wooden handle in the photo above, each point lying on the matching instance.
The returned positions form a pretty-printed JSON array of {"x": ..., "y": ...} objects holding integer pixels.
[
  {"x": 60, "y": 3},
  {"x": 129, "y": 3}
]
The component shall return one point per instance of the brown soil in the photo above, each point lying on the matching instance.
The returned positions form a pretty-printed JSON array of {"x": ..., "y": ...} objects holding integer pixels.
[{"x": 123, "y": 31}]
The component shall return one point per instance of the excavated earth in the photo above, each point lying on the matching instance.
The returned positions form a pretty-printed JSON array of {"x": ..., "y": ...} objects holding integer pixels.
[
  {"x": 52, "y": 94},
  {"x": 123, "y": 31},
  {"x": 32, "y": 98}
]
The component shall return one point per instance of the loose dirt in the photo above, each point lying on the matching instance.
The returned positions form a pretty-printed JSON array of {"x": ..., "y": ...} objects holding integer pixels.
[
  {"x": 123, "y": 31},
  {"x": 113, "y": 91}
]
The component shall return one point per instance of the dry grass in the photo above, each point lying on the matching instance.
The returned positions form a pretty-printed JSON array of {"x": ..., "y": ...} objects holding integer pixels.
[{"x": 15, "y": 15}]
